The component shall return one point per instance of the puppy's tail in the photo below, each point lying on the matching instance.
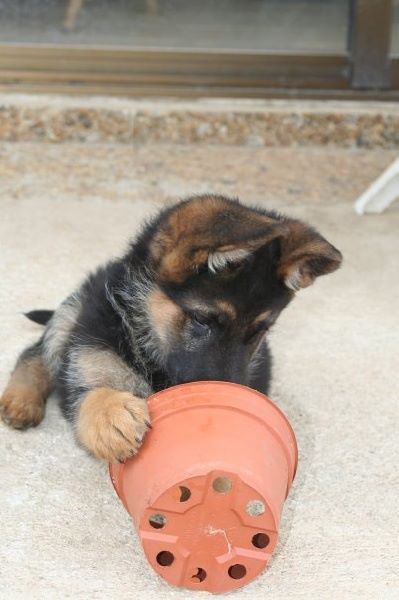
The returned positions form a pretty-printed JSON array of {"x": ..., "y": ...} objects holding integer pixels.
[{"x": 40, "y": 316}]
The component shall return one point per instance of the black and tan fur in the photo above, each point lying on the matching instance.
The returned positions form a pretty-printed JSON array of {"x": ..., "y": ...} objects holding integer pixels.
[{"x": 192, "y": 299}]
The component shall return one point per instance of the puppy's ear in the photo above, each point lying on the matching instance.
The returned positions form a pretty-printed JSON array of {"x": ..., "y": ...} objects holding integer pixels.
[
  {"x": 212, "y": 231},
  {"x": 305, "y": 255}
]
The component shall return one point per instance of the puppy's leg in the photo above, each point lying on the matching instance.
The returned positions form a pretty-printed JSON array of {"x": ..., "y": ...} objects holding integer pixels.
[
  {"x": 23, "y": 401},
  {"x": 111, "y": 415}
]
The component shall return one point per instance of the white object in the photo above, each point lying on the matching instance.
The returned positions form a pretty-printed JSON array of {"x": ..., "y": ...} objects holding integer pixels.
[{"x": 381, "y": 193}]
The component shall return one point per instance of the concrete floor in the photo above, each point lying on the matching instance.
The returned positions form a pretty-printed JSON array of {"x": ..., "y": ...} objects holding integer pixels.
[{"x": 66, "y": 208}]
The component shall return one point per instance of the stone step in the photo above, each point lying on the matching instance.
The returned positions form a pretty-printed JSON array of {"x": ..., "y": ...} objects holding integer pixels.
[{"x": 253, "y": 123}]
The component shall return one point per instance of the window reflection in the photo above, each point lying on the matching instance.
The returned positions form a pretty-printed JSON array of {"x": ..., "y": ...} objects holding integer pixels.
[{"x": 259, "y": 25}]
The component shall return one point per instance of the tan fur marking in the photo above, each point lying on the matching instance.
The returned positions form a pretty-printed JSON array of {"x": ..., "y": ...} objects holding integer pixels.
[
  {"x": 165, "y": 315},
  {"x": 112, "y": 424},
  {"x": 262, "y": 317},
  {"x": 185, "y": 222},
  {"x": 94, "y": 367},
  {"x": 22, "y": 402},
  {"x": 227, "y": 308},
  {"x": 299, "y": 248},
  {"x": 58, "y": 331}
]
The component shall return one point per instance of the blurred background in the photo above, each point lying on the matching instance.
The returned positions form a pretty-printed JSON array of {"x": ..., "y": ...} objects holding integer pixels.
[{"x": 244, "y": 48}]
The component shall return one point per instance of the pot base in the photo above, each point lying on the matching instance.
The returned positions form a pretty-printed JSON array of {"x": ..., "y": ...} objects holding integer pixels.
[{"x": 211, "y": 532}]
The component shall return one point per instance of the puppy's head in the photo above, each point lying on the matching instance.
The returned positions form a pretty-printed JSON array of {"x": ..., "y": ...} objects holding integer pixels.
[{"x": 224, "y": 272}]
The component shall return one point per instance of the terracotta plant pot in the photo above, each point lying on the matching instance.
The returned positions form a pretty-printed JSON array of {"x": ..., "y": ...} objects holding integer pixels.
[{"x": 207, "y": 488}]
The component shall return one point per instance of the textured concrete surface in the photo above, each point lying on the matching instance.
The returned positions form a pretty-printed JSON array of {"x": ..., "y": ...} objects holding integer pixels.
[
  {"x": 64, "y": 534},
  {"x": 30, "y": 118},
  {"x": 162, "y": 172}
]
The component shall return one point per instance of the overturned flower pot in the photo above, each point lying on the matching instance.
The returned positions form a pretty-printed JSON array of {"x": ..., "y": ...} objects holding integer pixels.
[{"x": 208, "y": 486}]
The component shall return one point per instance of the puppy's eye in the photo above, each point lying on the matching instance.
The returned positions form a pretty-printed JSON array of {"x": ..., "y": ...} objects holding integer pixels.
[{"x": 201, "y": 323}]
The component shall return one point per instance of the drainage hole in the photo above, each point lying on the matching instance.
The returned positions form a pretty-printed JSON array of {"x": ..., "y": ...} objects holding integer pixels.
[
  {"x": 237, "y": 571},
  {"x": 165, "y": 558},
  {"x": 200, "y": 575},
  {"x": 255, "y": 508},
  {"x": 222, "y": 485},
  {"x": 157, "y": 521},
  {"x": 185, "y": 493},
  {"x": 260, "y": 540}
]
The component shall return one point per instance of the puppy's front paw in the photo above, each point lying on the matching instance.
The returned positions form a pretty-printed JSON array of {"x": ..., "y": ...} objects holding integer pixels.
[{"x": 112, "y": 424}]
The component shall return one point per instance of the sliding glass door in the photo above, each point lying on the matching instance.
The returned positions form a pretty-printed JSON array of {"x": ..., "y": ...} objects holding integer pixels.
[{"x": 243, "y": 48}]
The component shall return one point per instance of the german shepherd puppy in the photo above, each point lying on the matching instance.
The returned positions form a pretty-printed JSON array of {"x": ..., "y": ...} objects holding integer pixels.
[{"x": 192, "y": 299}]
